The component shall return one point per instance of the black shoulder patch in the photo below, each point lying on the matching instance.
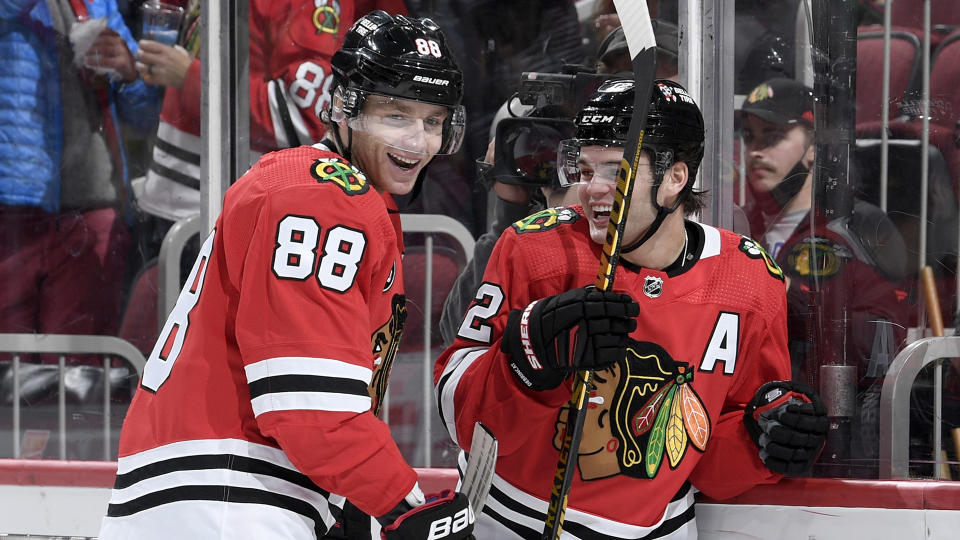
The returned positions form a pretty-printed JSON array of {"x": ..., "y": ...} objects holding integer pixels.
[
  {"x": 545, "y": 220},
  {"x": 755, "y": 251},
  {"x": 341, "y": 173}
]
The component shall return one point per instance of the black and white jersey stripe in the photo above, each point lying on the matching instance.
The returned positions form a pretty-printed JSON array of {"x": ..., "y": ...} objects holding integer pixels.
[
  {"x": 447, "y": 384},
  {"x": 175, "y": 156},
  {"x": 306, "y": 383},
  {"x": 288, "y": 126},
  {"x": 223, "y": 472},
  {"x": 523, "y": 515}
]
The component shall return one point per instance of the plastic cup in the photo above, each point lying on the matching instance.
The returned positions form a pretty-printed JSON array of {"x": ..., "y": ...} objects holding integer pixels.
[{"x": 161, "y": 22}]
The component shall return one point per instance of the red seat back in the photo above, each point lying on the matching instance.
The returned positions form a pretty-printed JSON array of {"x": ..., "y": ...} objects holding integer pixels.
[
  {"x": 139, "y": 325},
  {"x": 904, "y": 71}
]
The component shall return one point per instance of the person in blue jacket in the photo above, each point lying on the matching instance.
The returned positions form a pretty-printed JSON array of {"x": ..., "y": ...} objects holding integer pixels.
[{"x": 63, "y": 173}]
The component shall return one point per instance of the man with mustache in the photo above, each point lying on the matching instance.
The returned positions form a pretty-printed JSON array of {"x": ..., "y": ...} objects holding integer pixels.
[{"x": 856, "y": 262}]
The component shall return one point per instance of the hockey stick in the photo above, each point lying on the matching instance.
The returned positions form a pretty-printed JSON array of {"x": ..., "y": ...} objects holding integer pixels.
[
  {"x": 478, "y": 474},
  {"x": 643, "y": 53}
]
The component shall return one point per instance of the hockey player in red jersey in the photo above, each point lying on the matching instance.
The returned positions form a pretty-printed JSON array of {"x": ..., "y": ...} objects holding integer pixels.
[
  {"x": 256, "y": 415},
  {"x": 291, "y": 44},
  {"x": 684, "y": 349}
]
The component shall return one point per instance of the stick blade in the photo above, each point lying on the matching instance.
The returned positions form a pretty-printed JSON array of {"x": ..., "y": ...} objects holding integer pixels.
[{"x": 481, "y": 465}]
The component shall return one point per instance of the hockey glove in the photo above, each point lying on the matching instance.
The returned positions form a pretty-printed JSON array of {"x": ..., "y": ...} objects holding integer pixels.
[
  {"x": 446, "y": 516},
  {"x": 788, "y": 421},
  {"x": 578, "y": 329}
]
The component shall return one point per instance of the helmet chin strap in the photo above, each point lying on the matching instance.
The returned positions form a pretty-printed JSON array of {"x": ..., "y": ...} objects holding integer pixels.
[
  {"x": 663, "y": 160},
  {"x": 343, "y": 150},
  {"x": 786, "y": 190},
  {"x": 662, "y": 214}
]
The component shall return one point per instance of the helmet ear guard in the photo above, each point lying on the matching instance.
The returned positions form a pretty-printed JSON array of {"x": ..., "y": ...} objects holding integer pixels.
[{"x": 344, "y": 103}]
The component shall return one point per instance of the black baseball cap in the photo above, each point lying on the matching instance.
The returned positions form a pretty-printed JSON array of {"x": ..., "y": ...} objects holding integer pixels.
[
  {"x": 780, "y": 101},
  {"x": 615, "y": 43}
]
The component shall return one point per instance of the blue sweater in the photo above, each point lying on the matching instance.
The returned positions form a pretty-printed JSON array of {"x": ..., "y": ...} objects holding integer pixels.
[{"x": 31, "y": 116}]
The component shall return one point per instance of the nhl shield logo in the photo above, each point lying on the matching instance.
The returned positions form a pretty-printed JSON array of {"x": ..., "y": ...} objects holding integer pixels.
[{"x": 652, "y": 286}]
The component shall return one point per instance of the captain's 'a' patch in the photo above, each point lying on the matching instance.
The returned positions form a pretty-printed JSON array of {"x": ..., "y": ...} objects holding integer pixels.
[
  {"x": 545, "y": 220},
  {"x": 753, "y": 250},
  {"x": 340, "y": 173}
]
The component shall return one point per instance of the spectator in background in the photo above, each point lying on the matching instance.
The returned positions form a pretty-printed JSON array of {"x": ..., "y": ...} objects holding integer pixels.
[
  {"x": 856, "y": 261},
  {"x": 495, "y": 41},
  {"x": 69, "y": 79},
  {"x": 515, "y": 199},
  {"x": 291, "y": 43},
  {"x": 613, "y": 56}
]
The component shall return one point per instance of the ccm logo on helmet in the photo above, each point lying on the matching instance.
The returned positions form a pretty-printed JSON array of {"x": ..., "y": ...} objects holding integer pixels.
[
  {"x": 431, "y": 80},
  {"x": 447, "y": 526},
  {"x": 596, "y": 119}
]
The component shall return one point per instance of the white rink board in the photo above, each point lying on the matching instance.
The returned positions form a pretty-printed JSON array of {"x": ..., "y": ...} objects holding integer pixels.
[
  {"x": 76, "y": 511},
  {"x": 762, "y": 522},
  {"x": 52, "y": 510}
]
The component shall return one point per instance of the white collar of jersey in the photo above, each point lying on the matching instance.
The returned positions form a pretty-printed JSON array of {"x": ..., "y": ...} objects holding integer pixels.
[
  {"x": 711, "y": 241},
  {"x": 325, "y": 144}
]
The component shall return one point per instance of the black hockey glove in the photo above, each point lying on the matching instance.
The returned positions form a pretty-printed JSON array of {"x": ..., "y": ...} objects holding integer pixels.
[
  {"x": 578, "y": 329},
  {"x": 446, "y": 516},
  {"x": 788, "y": 421}
]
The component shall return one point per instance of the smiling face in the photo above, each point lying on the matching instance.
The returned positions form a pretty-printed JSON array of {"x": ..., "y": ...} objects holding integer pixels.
[
  {"x": 394, "y": 139},
  {"x": 598, "y": 167}
]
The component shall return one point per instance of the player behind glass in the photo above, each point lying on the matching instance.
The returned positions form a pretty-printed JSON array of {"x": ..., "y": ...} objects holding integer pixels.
[
  {"x": 256, "y": 416},
  {"x": 684, "y": 348}
]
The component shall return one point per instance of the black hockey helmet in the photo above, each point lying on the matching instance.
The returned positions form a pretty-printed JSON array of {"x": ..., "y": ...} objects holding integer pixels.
[
  {"x": 674, "y": 124},
  {"x": 400, "y": 57},
  {"x": 674, "y": 130}
]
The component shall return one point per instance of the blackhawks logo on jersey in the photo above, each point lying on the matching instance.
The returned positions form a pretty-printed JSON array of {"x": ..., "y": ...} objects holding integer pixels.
[
  {"x": 643, "y": 410},
  {"x": 755, "y": 251},
  {"x": 338, "y": 172},
  {"x": 817, "y": 257},
  {"x": 545, "y": 220},
  {"x": 386, "y": 341},
  {"x": 326, "y": 16}
]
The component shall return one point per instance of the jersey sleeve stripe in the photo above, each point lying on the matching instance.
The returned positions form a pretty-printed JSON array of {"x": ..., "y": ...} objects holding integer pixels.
[
  {"x": 315, "y": 401},
  {"x": 306, "y": 383},
  {"x": 305, "y": 365},
  {"x": 178, "y": 143},
  {"x": 282, "y": 130},
  {"x": 447, "y": 385}
]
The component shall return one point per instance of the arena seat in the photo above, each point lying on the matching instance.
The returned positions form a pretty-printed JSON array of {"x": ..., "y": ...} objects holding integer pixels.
[
  {"x": 903, "y": 208},
  {"x": 139, "y": 323},
  {"x": 944, "y": 17},
  {"x": 446, "y": 267},
  {"x": 944, "y": 122},
  {"x": 945, "y": 82},
  {"x": 904, "y": 72}
]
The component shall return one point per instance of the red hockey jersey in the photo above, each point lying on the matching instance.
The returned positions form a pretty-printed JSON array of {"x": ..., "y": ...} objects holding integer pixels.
[
  {"x": 668, "y": 415},
  {"x": 256, "y": 412},
  {"x": 291, "y": 44}
]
